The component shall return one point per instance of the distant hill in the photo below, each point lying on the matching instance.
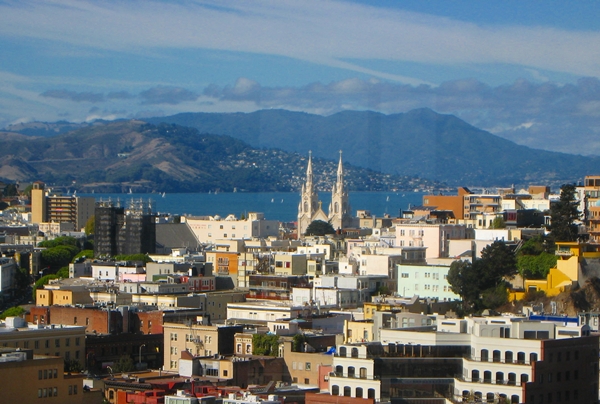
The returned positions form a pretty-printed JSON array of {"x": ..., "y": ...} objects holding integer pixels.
[
  {"x": 123, "y": 155},
  {"x": 420, "y": 142}
]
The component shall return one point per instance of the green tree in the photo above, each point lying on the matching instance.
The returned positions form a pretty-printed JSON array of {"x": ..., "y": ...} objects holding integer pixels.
[
  {"x": 90, "y": 226},
  {"x": 483, "y": 278},
  {"x": 536, "y": 266},
  {"x": 84, "y": 253},
  {"x": 63, "y": 272},
  {"x": 72, "y": 366},
  {"x": 319, "y": 228},
  {"x": 44, "y": 280},
  {"x": 124, "y": 364},
  {"x": 16, "y": 311},
  {"x": 263, "y": 344},
  {"x": 57, "y": 257},
  {"x": 145, "y": 258},
  {"x": 11, "y": 190},
  {"x": 59, "y": 241},
  {"x": 298, "y": 341},
  {"x": 564, "y": 214},
  {"x": 498, "y": 223}
]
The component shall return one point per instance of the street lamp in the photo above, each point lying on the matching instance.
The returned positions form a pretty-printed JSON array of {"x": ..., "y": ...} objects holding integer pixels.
[{"x": 143, "y": 345}]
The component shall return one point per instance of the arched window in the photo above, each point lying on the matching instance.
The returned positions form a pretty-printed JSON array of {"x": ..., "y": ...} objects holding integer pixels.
[
  {"x": 343, "y": 351},
  {"x": 532, "y": 357},
  {"x": 524, "y": 378},
  {"x": 371, "y": 393},
  {"x": 347, "y": 391},
  {"x": 496, "y": 355},
  {"x": 475, "y": 375},
  {"x": 514, "y": 399},
  {"x": 487, "y": 376},
  {"x": 306, "y": 206},
  {"x": 484, "y": 355},
  {"x": 508, "y": 357},
  {"x": 335, "y": 390},
  {"x": 490, "y": 397},
  {"x": 351, "y": 372},
  {"x": 355, "y": 352},
  {"x": 499, "y": 378},
  {"x": 339, "y": 370},
  {"x": 512, "y": 379},
  {"x": 521, "y": 357},
  {"x": 363, "y": 373},
  {"x": 359, "y": 392},
  {"x": 336, "y": 207}
]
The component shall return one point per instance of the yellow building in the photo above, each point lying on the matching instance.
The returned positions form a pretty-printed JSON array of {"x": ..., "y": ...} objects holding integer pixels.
[
  {"x": 198, "y": 340},
  {"x": 68, "y": 342},
  {"x": 63, "y": 297},
  {"x": 571, "y": 256},
  {"x": 358, "y": 331},
  {"x": 37, "y": 378}
]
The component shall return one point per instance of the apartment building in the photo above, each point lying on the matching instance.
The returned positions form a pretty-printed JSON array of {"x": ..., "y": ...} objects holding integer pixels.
[
  {"x": 209, "y": 229},
  {"x": 67, "y": 342},
  {"x": 41, "y": 378},
  {"x": 198, "y": 340}
]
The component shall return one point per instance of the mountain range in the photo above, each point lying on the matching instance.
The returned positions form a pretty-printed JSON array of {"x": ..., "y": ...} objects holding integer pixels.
[
  {"x": 142, "y": 157},
  {"x": 267, "y": 150},
  {"x": 419, "y": 142}
]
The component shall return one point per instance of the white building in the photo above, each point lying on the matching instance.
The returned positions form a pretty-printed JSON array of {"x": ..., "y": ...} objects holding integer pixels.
[
  {"x": 433, "y": 236},
  {"x": 428, "y": 281},
  {"x": 208, "y": 229}
]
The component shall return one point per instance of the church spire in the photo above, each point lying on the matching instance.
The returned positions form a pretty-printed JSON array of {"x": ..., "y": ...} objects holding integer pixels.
[
  {"x": 340, "y": 174},
  {"x": 309, "y": 173}
]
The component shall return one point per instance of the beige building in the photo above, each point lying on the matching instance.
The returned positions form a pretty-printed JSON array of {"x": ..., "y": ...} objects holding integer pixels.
[
  {"x": 303, "y": 367},
  {"x": 54, "y": 208},
  {"x": 209, "y": 229},
  {"x": 68, "y": 342},
  {"x": 29, "y": 378},
  {"x": 197, "y": 339},
  {"x": 64, "y": 297}
]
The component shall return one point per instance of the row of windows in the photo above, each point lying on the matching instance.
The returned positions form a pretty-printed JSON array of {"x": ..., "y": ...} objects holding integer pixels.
[
  {"x": 434, "y": 275},
  {"x": 559, "y": 376},
  {"x": 301, "y": 365},
  {"x": 47, "y": 374},
  {"x": 36, "y": 344},
  {"x": 53, "y": 391},
  {"x": 347, "y": 392}
]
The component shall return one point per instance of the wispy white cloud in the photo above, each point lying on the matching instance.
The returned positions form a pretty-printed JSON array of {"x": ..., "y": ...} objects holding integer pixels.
[{"x": 324, "y": 32}]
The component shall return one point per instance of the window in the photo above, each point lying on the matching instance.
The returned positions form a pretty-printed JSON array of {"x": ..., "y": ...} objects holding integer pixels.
[
  {"x": 405, "y": 275},
  {"x": 67, "y": 341},
  {"x": 77, "y": 341}
]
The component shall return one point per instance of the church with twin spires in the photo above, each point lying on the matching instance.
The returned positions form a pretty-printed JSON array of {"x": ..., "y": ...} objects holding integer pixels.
[{"x": 310, "y": 208}]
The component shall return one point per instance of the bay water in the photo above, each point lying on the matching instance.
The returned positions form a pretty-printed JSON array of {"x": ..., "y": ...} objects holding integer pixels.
[{"x": 282, "y": 206}]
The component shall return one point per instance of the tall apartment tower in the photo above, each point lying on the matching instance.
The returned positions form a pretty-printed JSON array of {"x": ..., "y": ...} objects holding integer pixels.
[
  {"x": 121, "y": 231},
  {"x": 47, "y": 207}
]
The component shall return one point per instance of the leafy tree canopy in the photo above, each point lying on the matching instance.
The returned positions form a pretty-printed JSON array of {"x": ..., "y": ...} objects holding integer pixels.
[
  {"x": 84, "y": 253},
  {"x": 44, "y": 280},
  {"x": 90, "y": 226},
  {"x": 58, "y": 241},
  {"x": 498, "y": 223},
  {"x": 563, "y": 215},
  {"x": 263, "y": 344},
  {"x": 536, "y": 266},
  {"x": 481, "y": 282},
  {"x": 145, "y": 258},
  {"x": 124, "y": 364},
  {"x": 319, "y": 228},
  {"x": 63, "y": 272},
  {"x": 16, "y": 311}
]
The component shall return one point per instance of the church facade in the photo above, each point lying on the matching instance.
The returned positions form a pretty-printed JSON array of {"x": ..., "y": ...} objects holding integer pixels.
[{"x": 310, "y": 207}]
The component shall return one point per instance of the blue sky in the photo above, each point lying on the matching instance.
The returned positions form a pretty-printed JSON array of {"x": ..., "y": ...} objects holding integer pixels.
[{"x": 527, "y": 71}]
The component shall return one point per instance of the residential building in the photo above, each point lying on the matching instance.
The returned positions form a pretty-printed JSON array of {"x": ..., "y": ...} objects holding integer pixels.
[
  {"x": 29, "y": 378},
  {"x": 435, "y": 237},
  {"x": 48, "y": 207},
  {"x": 198, "y": 340},
  {"x": 426, "y": 281},
  {"x": 209, "y": 229},
  {"x": 67, "y": 342}
]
